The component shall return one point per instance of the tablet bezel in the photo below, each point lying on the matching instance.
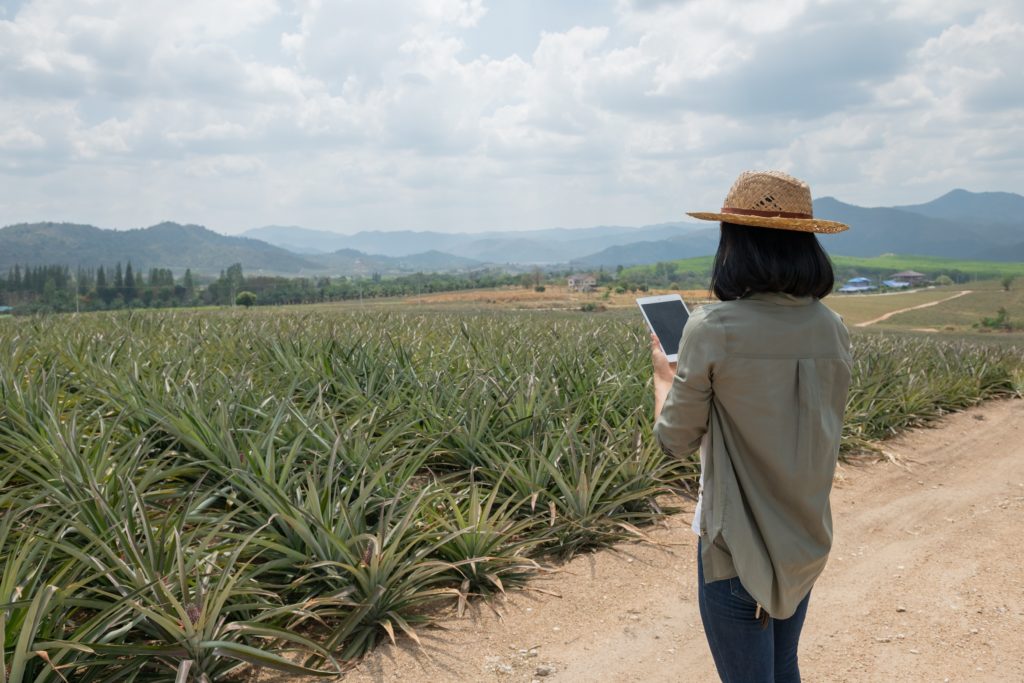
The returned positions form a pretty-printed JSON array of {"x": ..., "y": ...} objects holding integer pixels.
[{"x": 673, "y": 357}]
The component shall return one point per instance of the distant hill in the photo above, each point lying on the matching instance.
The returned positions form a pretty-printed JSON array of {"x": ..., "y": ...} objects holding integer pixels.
[
  {"x": 698, "y": 243},
  {"x": 434, "y": 261},
  {"x": 875, "y": 231},
  {"x": 167, "y": 245},
  {"x": 1011, "y": 253},
  {"x": 552, "y": 245},
  {"x": 959, "y": 224},
  {"x": 973, "y": 207},
  {"x": 353, "y": 262},
  {"x": 881, "y": 230},
  {"x": 298, "y": 239},
  {"x": 170, "y": 245}
]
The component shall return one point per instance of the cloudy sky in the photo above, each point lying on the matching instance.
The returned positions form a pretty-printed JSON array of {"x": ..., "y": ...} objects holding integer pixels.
[{"x": 462, "y": 115}]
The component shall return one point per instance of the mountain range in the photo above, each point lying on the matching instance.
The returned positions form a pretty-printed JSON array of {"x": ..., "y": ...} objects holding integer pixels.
[
  {"x": 987, "y": 226},
  {"x": 554, "y": 245},
  {"x": 174, "y": 246},
  {"x": 959, "y": 224}
]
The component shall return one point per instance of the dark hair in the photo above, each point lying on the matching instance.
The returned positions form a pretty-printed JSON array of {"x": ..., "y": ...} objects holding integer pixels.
[{"x": 751, "y": 260}]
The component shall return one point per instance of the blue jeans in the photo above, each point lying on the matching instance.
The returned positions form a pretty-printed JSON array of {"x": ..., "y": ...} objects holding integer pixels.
[{"x": 744, "y": 651}]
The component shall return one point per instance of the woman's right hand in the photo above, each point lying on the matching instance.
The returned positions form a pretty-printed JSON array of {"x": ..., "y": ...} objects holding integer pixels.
[{"x": 664, "y": 371}]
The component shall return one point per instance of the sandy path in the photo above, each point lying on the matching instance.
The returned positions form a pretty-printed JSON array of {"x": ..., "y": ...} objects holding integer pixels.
[
  {"x": 912, "y": 308},
  {"x": 925, "y": 583}
]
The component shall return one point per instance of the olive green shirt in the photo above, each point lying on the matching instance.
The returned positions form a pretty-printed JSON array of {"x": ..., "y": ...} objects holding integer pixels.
[{"x": 762, "y": 381}]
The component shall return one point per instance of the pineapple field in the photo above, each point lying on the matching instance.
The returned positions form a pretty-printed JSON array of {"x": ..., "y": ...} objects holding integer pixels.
[{"x": 185, "y": 496}]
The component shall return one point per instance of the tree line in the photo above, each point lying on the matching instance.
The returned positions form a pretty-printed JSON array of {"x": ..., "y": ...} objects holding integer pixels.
[
  {"x": 58, "y": 288},
  {"x": 55, "y": 288}
]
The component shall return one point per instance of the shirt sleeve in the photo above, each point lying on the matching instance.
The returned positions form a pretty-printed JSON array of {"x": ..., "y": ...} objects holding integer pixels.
[{"x": 684, "y": 417}]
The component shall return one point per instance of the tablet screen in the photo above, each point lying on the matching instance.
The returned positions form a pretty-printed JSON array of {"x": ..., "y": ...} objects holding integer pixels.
[{"x": 667, "y": 318}]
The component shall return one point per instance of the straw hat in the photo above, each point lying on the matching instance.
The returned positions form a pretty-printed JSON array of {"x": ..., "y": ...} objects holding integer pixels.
[{"x": 770, "y": 199}]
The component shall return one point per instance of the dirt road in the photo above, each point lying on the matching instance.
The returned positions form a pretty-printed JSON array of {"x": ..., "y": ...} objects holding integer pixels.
[
  {"x": 912, "y": 308},
  {"x": 925, "y": 583}
]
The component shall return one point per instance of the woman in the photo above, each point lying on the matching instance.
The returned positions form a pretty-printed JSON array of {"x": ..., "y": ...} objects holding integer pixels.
[{"x": 760, "y": 387}]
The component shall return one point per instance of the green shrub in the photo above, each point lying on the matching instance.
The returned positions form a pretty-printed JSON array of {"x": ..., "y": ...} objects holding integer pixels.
[
  {"x": 1000, "y": 322},
  {"x": 246, "y": 299}
]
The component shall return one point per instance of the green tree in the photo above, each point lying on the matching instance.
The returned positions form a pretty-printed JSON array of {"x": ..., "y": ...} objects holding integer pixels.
[
  {"x": 233, "y": 281},
  {"x": 1007, "y": 282},
  {"x": 130, "y": 289},
  {"x": 50, "y": 291},
  {"x": 189, "y": 284},
  {"x": 105, "y": 293},
  {"x": 246, "y": 299}
]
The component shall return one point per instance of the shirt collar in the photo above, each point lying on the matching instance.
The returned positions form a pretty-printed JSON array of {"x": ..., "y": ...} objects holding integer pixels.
[{"x": 781, "y": 298}]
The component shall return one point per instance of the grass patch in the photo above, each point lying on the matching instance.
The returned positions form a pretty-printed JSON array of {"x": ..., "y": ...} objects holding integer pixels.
[
  {"x": 961, "y": 314},
  {"x": 931, "y": 265},
  {"x": 859, "y": 308},
  {"x": 876, "y": 265}
]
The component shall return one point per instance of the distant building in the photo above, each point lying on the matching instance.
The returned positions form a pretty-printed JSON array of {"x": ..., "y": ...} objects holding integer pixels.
[
  {"x": 582, "y": 282},
  {"x": 5, "y": 309},
  {"x": 857, "y": 284},
  {"x": 895, "y": 284},
  {"x": 911, "y": 277}
]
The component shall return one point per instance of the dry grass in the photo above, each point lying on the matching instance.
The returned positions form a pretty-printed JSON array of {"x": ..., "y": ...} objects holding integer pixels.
[
  {"x": 961, "y": 314},
  {"x": 553, "y": 297},
  {"x": 858, "y": 308}
]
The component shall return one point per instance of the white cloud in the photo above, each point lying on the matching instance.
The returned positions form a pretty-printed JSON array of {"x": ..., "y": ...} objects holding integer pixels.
[
  {"x": 350, "y": 114},
  {"x": 20, "y": 139},
  {"x": 219, "y": 167}
]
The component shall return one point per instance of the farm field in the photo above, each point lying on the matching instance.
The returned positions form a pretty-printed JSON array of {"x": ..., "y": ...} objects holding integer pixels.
[
  {"x": 960, "y": 315},
  {"x": 955, "y": 317},
  {"x": 861, "y": 308},
  {"x": 554, "y": 297},
  {"x": 204, "y": 490},
  {"x": 878, "y": 265},
  {"x": 928, "y": 264}
]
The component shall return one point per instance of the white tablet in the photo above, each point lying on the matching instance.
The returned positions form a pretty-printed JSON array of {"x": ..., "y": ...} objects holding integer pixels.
[{"x": 665, "y": 315}]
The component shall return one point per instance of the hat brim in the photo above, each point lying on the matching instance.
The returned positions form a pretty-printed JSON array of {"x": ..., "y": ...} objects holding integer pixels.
[{"x": 801, "y": 224}]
